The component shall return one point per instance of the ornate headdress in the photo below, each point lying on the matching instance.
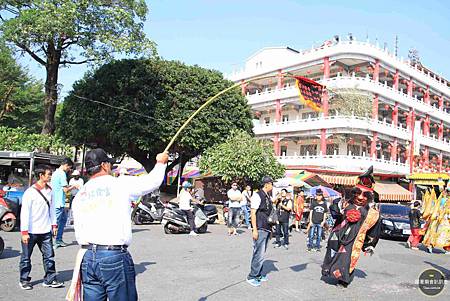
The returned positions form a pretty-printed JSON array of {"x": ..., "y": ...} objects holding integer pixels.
[{"x": 366, "y": 183}]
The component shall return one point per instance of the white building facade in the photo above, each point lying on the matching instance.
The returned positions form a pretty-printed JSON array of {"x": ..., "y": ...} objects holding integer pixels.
[{"x": 406, "y": 131}]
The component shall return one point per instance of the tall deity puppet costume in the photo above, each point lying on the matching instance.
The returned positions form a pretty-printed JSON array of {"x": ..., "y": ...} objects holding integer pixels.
[{"x": 357, "y": 229}]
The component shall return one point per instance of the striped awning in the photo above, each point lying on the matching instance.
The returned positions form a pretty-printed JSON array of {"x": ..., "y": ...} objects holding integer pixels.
[
  {"x": 340, "y": 179},
  {"x": 392, "y": 192},
  {"x": 429, "y": 176}
]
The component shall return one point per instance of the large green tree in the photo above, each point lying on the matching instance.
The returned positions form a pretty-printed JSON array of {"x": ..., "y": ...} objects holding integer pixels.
[
  {"x": 167, "y": 91},
  {"x": 241, "y": 158},
  {"x": 59, "y": 33},
  {"x": 20, "y": 95}
]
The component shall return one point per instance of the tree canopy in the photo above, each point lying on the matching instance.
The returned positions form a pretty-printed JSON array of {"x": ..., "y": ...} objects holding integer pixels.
[
  {"x": 166, "y": 91},
  {"x": 21, "y": 96},
  {"x": 63, "y": 32},
  {"x": 18, "y": 139},
  {"x": 241, "y": 158}
]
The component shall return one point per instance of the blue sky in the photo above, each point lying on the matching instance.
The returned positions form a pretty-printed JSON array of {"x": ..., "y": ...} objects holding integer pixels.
[{"x": 222, "y": 34}]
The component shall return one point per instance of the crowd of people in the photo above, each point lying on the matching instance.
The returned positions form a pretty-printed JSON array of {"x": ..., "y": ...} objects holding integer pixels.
[{"x": 101, "y": 216}]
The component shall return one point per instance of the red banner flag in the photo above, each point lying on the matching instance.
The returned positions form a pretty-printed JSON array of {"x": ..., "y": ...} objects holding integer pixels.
[{"x": 310, "y": 92}]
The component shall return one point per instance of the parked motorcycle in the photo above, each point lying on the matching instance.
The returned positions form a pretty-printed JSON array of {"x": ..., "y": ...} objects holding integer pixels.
[
  {"x": 209, "y": 210},
  {"x": 7, "y": 215},
  {"x": 149, "y": 210},
  {"x": 175, "y": 221}
]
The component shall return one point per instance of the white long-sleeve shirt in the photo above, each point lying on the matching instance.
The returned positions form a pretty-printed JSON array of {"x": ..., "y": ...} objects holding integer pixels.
[
  {"x": 102, "y": 207},
  {"x": 35, "y": 216}
]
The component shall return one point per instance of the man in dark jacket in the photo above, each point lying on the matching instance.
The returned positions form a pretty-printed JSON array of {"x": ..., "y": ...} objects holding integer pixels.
[
  {"x": 261, "y": 208},
  {"x": 414, "y": 222}
]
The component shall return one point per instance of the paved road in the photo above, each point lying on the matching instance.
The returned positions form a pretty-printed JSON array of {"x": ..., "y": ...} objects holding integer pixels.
[{"x": 213, "y": 266}]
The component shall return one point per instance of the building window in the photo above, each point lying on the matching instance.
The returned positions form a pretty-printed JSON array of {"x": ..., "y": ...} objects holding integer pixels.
[
  {"x": 283, "y": 150},
  {"x": 267, "y": 120},
  {"x": 308, "y": 150},
  {"x": 355, "y": 150},
  {"x": 332, "y": 149},
  {"x": 285, "y": 118}
]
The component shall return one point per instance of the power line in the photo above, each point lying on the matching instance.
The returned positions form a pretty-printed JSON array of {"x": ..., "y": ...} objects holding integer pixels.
[{"x": 114, "y": 107}]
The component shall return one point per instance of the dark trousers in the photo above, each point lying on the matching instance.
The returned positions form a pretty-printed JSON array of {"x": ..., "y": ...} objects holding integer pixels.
[
  {"x": 282, "y": 227},
  {"x": 108, "y": 274},
  {"x": 190, "y": 218},
  {"x": 259, "y": 249},
  {"x": 44, "y": 243}
]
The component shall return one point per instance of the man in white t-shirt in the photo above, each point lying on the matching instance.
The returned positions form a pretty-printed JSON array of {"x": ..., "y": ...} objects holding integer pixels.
[
  {"x": 37, "y": 226},
  {"x": 185, "y": 204},
  {"x": 77, "y": 182},
  {"x": 234, "y": 208},
  {"x": 102, "y": 223}
]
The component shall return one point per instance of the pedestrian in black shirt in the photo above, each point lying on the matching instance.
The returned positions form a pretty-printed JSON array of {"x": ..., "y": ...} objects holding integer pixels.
[
  {"x": 317, "y": 217},
  {"x": 284, "y": 207}
]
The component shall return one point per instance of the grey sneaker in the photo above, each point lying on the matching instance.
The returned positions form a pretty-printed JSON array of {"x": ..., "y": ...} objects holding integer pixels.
[
  {"x": 25, "y": 285},
  {"x": 286, "y": 247},
  {"x": 53, "y": 284}
]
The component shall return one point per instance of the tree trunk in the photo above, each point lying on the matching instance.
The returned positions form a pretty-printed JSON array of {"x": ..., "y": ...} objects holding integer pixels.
[{"x": 51, "y": 96}]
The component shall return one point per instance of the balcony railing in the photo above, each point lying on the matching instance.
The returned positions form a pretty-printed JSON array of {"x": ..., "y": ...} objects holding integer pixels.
[
  {"x": 351, "y": 123},
  {"x": 353, "y": 47},
  {"x": 347, "y": 163},
  {"x": 353, "y": 82}
]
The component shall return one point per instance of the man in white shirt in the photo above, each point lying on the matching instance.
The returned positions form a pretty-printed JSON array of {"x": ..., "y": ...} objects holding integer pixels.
[
  {"x": 102, "y": 225},
  {"x": 185, "y": 205},
  {"x": 37, "y": 224},
  {"x": 234, "y": 206},
  {"x": 76, "y": 182}
]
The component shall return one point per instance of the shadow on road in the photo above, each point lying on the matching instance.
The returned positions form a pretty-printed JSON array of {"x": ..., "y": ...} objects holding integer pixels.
[
  {"x": 220, "y": 290},
  {"x": 62, "y": 276},
  {"x": 10, "y": 253},
  {"x": 139, "y": 230},
  {"x": 142, "y": 267},
  {"x": 360, "y": 274},
  {"x": 444, "y": 271},
  {"x": 299, "y": 267}
]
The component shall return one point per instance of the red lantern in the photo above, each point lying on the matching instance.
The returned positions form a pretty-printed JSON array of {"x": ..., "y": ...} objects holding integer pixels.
[{"x": 386, "y": 107}]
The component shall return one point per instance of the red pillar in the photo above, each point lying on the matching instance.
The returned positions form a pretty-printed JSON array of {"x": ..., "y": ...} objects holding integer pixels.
[
  {"x": 410, "y": 87},
  {"x": 375, "y": 107},
  {"x": 426, "y": 96},
  {"x": 243, "y": 87},
  {"x": 323, "y": 132},
  {"x": 426, "y": 126},
  {"x": 396, "y": 79},
  {"x": 441, "y": 102},
  {"x": 426, "y": 156},
  {"x": 276, "y": 144},
  {"x": 373, "y": 145},
  {"x": 395, "y": 114},
  {"x": 441, "y": 131},
  {"x": 440, "y": 162},
  {"x": 376, "y": 71},
  {"x": 394, "y": 150},
  {"x": 276, "y": 138},
  {"x": 408, "y": 120},
  {"x": 411, "y": 145}
]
